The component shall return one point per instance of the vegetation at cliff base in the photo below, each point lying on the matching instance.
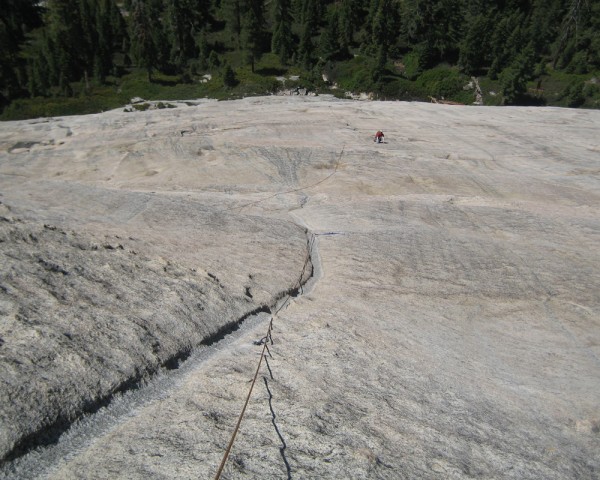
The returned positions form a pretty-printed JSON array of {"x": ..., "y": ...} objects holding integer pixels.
[{"x": 79, "y": 56}]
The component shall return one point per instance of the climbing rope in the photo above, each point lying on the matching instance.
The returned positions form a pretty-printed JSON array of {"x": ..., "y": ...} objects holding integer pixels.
[
  {"x": 268, "y": 336},
  {"x": 265, "y": 341},
  {"x": 237, "y": 426}
]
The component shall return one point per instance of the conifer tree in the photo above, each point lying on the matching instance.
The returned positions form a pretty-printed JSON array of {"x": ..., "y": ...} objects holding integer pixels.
[
  {"x": 70, "y": 46},
  {"x": 252, "y": 32},
  {"x": 203, "y": 48},
  {"x": 309, "y": 17},
  {"x": 329, "y": 42},
  {"x": 383, "y": 33},
  {"x": 282, "y": 41},
  {"x": 17, "y": 18},
  {"x": 143, "y": 44},
  {"x": 436, "y": 26},
  {"x": 380, "y": 44},
  {"x": 229, "y": 79},
  {"x": 213, "y": 60},
  {"x": 476, "y": 46},
  {"x": 184, "y": 19},
  {"x": 234, "y": 11},
  {"x": 105, "y": 40},
  {"x": 349, "y": 16}
]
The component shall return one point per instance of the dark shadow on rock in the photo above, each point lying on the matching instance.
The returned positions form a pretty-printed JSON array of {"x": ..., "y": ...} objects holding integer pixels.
[{"x": 283, "y": 447}]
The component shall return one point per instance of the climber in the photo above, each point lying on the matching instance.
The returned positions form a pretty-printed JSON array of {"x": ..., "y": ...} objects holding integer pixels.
[{"x": 379, "y": 137}]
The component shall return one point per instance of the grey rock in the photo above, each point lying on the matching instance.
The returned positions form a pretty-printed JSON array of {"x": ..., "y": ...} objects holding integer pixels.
[
  {"x": 86, "y": 317},
  {"x": 449, "y": 331}
]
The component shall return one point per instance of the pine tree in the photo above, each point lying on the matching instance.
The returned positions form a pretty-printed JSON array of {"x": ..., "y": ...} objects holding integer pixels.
[
  {"x": 70, "y": 45},
  {"x": 514, "y": 78},
  {"x": 17, "y": 18},
  {"x": 203, "y": 48},
  {"x": 143, "y": 45},
  {"x": 233, "y": 11},
  {"x": 329, "y": 45},
  {"x": 213, "y": 60},
  {"x": 578, "y": 47},
  {"x": 282, "y": 41},
  {"x": 184, "y": 19},
  {"x": 252, "y": 32},
  {"x": 229, "y": 79},
  {"x": 476, "y": 45},
  {"x": 348, "y": 22},
  {"x": 437, "y": 26},
  {"x": 105, "y": 40},
  {"x": 309, "y": 18},
  {"x": 383, "y": 30},
  {"x": 47, "y": 51}
]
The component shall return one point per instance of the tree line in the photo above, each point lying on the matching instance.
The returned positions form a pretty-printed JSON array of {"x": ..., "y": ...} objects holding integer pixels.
[{"x": 45, "y": 46}]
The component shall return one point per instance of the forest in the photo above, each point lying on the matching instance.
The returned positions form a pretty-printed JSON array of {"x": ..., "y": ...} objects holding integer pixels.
[{"x": 79, "y": 56}]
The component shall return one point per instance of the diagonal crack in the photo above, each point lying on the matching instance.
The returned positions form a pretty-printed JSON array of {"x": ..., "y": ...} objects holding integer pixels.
[{"x": 47, "y": 449}]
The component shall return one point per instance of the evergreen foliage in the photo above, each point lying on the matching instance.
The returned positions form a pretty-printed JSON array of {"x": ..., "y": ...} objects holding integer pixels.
[
  {"x": 229, "y": 79},
  {"x": 144, "y": 42},
  {"x": 61, "y": 48},
  {"x": 282, "y": 42},
  {"x": 252, "y": 31}
]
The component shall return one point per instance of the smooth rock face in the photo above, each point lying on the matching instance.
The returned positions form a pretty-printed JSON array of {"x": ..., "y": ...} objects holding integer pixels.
[{"x": 453, "y": 329}]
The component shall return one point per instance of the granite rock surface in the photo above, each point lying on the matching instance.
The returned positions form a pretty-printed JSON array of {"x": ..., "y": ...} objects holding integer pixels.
[{"x": 450, "y": 326}]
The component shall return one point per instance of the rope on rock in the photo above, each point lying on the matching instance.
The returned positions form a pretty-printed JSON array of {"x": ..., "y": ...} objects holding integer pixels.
[
  {"x": 237, "y": 427},
  {"x": 265, "y": 341}
]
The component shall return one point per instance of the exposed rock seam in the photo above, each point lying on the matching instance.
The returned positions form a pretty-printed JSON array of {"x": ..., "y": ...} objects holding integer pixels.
[{"x": 50, "y": 434}]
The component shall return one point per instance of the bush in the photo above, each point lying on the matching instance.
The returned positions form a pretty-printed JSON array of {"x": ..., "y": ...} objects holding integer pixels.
[
  {"x": 574, "y": 94},
  {"x": 578, "y": 63},
  {"x": 402, "y": 89},
  {"x": 591, "y": 92},
  {"x": 162, "y": 105},
  {"x": 412, "y": 68},
  {"x": 213, "y": 60},
  {"x": 141, "y": 107},
  {"x": 229, "y": 79},
  {"x": 417, "y": 61},
  {"x": 354, "y": 75},
  {"x": 52, "y": 107},
  {"x": 442, "y": 82},
  {"x": 513, "y": 85}
]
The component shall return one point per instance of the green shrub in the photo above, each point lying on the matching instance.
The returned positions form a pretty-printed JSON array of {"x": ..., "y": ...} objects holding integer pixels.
[
  {"x": 354, "y": 75},
  {"x": 442, "y": 82},
  {"x": 578, "y": 63},
  {"x": 513, "y": 85},
  {"x": 53, "y": 107},
  {"x": 412, "y": 68},
  {"x": 141, "y": 107},
  {"x": 591, "y": 92},
  {"x": 417, "y": 61},
  {"x": 402, "y": 89},
  {"x": 573, "y": 94},
  {"x": 229, "y": 79}
]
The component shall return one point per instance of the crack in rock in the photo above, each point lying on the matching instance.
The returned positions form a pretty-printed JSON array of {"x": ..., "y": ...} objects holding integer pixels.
[{"x": 46, "y": 438}]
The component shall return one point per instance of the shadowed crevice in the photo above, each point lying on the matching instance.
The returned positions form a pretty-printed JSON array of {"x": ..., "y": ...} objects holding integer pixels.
[{"x": 50, "y": 434}]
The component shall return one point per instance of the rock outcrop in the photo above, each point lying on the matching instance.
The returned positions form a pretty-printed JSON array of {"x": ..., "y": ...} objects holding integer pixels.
[{"x": 452, "y": 331}]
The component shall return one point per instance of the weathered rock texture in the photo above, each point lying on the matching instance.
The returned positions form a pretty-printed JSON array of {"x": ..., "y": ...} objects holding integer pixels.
[
  {"x": 453, "y": 331},
  {"x": 86, "y": 317}
]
